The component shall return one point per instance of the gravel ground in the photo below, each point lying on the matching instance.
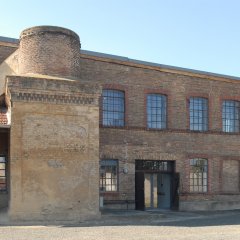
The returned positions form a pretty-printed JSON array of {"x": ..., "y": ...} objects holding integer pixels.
[{"x": 137, "y": 225}]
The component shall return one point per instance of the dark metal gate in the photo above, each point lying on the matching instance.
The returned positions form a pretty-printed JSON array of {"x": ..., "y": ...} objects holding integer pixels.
[{"x": 146, "y": 167}]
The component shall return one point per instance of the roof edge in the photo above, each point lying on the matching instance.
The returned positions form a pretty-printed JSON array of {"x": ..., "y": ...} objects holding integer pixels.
[
  {"x": 15, "y": 41},
  {"x": 9, "y": 40},
  {"x": 157, "y": 65}
]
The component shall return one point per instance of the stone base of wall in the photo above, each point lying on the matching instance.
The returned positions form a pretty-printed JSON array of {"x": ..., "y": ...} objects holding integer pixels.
[
  {"x": 119, "y": 205},
  {"x": 3, "y": 200},
  {"x": 39, "y": 217},
  {"x": 208, "y": 205}
]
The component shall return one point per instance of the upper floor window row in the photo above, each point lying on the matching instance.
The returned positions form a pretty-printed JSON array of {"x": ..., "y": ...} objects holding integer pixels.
[{"x": 113, "y": 112}]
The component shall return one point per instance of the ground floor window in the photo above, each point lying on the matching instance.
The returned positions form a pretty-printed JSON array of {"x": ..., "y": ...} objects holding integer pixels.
[
  {"x": 108, "y": 175},
  {"x": 198, "y": 175},
  {"x": 3, "y": 182},
  {"x": 230, "y": 176}
]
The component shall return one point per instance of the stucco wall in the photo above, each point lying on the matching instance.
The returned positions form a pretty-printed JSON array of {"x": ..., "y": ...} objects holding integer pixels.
[{"x": 54, "y": 152}]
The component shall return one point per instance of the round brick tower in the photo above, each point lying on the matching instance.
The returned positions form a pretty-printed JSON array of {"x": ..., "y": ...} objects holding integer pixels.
[{"x": 49, "y": 50}]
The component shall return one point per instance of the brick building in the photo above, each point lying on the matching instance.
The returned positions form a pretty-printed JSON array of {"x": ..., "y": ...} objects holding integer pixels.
[{"x": 81, "y": 130}]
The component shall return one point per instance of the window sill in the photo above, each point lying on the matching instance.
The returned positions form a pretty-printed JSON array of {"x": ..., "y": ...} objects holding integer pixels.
[
  {"x": 110, "y": 194},
  {"x": 194, "y": 193},
  {"x": 118, "y": 127}
]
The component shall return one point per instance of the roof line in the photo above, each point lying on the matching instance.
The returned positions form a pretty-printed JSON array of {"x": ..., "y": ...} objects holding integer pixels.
[
  {"x": 9, "y": 40},
  {"x": 152, "y": 64},
  {"x": 126, "y": 59}
]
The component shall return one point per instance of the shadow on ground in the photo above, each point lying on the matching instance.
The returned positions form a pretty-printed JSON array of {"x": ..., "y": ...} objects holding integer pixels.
[
  {"x": 165, "y": 218},
  {"x": 145, "y": 218}
]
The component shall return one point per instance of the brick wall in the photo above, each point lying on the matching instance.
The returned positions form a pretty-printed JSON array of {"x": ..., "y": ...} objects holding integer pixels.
[
  {"x": 134, "y": 141},
  {"x": 6, "y": 51},
  {"x": 49, "y": 51},
  {"x": 54, "y": 150},
  {"x": 175, "y": 143}
]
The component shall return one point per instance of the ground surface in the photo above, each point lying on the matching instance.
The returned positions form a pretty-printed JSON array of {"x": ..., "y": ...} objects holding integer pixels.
[{"x": 134, "y": 225}]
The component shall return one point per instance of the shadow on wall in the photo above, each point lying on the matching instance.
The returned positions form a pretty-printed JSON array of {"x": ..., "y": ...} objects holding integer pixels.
[{"x": 8, "y": 67}]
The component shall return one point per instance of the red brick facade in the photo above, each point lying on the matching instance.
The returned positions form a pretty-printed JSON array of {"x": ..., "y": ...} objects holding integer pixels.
[
  {"x": 176, "y": 142},
  {"x": 134, "y": 141}
]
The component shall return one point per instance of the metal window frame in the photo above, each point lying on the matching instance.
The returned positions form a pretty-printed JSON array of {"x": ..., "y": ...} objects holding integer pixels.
[
  {"x": 198, "y": 117},
  {"x": 6, "y": 174},
  {"x": 160, "y": 118},
  {"x": 117, "y": 108},
  {"x": 102, "y": 186},
  {"x": 227, "y": 111},
  {"x": 196, "y": 176}
]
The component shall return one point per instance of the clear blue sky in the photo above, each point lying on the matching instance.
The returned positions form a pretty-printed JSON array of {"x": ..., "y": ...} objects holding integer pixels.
[{"x": 197, "y": 34}]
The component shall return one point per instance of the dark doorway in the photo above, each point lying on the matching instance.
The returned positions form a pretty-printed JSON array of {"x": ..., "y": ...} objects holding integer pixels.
[
  {"x": 156, "y": 185},
  {"x": 139, "y": 190},
  {"x": 4, "y": 169}
]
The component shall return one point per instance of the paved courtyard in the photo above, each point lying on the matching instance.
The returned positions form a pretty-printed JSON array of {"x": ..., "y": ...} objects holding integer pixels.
[{"x": 126, "y": 225}]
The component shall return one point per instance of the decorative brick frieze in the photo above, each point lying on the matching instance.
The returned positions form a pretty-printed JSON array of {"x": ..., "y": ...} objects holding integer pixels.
[{"x": 58, "y": 99}]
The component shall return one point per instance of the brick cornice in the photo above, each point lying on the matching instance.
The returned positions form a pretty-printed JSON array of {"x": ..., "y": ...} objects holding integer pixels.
[
  {"x": 52, "y": 98},
  {"x": 26, "y": 89}
]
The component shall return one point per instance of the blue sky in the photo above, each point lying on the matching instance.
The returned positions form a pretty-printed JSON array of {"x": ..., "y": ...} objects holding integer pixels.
[{"x": 196, "y": 34}]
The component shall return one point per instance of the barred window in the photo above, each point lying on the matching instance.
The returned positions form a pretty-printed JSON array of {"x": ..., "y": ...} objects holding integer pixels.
[
  {"x": 3, "y": 178},
  {"x": 198, "y": 175},
  {"x": 230, "y": 116},
  {"x": 108, "y": 175},
  {"x": 198, "y": 113},
  {"x": 156, "y": 111},
  {"x": 113, "y": 108}
]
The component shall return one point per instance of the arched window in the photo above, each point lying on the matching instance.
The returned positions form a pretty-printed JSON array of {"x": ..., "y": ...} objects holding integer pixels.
[{"x": 113, "y": 108}]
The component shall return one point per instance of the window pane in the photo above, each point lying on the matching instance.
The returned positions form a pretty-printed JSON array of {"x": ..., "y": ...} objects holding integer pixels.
[
  {"x": 113, "y": 107},
  {"x": 3, "y": 184},
  {"x": 230, "y": 116},
  {"x": 156, "y": 111},
  {"x": 198, "y": 175},
  {"x": 198, "y": 113},
  {"x": 108, "y": 175},
  {"x": 2, "y": 173}
]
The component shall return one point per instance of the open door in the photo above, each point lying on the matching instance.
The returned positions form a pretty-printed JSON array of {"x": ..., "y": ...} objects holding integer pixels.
[{"x": 139, "y": 191}]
